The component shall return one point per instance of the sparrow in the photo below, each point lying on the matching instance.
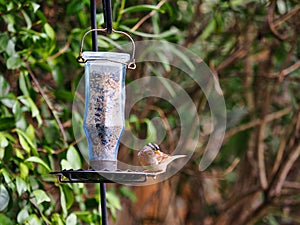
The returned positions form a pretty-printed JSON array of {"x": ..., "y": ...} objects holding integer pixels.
[{"x": 154, "y": 159}]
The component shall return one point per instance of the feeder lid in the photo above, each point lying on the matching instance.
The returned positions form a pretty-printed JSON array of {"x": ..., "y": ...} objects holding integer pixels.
[{"x": 117, "y": 57}]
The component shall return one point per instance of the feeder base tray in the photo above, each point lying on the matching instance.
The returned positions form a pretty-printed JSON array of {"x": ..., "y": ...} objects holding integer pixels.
[{"x": 104, "y": 176}]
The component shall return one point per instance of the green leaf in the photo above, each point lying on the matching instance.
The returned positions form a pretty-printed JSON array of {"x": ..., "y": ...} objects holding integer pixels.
[
  {"x": 162, "y": 35},
  {"x": 3, "y": 41},
  {"x": 73, "y": 158},
  {"x": 35, "y": 6},
  {"x": 63, "y": 202},
  {"x": 22, "y": 215},
  {"x": 113, "y": 203},
  {"x": 56, "y": 219},
  {"x": 6, "y": 123},
  {"x": 24, "y": 171},
  {"x": 49, "y": 31},
  {"x": 71, "y": 219},
  {"x": 69, "y": 196},
  {"x": 3, "y": 141},
  {"x": 7, "y": 178},
  {"x": 65, "y": 165},
  {"x": 41, "y": 196},
  {"x": 4, "y": 86},
  {"x": 34, "y": 109},
  {"x": 26, "y": 141},
  {"x": 39, "y": 161},
  {"x": 139, "y": 8},
  {"x": 19, "y": 153},
  {"x": 33, "y": 220},
  {"x": 21, "y": 186},
  {"x": 9, "y": 100},
  {"x": 14, "y": 62},
  {"x": 27, "y": 19},
  {"x": 23, "y": 142},
  {"x": 209, "y": 29},
  {"x": 5, "y": 220},
  {"x": 10, "y": 48},
  {"x": 2, "y": 153},
  {"x": 8, "y": 153},
  {"x": 30, "y": 133},
  {"x": 22, "y": 84},
  {"x": 126, "y": 192},
  {"x": 4, "y": 197},
  {"x": 151, "y": 131}
]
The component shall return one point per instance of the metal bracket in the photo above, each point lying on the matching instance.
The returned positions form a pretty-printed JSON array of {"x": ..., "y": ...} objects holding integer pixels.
[
  {"x": 131, "y": 64},
  {"x": 104, "y": 176}
]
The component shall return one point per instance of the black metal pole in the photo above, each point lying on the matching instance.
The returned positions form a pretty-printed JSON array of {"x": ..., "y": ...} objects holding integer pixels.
[
  {"x": 107, "y": 12},
  {"x": 103, "y": 203},
  {"x": 95, "y": 48},
  {"x": 94, "y": 25}
]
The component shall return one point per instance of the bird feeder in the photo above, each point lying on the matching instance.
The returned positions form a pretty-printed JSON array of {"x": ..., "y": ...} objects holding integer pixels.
[
  {"x": 104, "y": 102},
  {"x": 104, "y": 112},
  {"x": 104, "y": 116}
]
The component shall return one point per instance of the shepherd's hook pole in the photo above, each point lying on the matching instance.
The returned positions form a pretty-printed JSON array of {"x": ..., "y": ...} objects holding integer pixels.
[{"x": 95, "y": 48}]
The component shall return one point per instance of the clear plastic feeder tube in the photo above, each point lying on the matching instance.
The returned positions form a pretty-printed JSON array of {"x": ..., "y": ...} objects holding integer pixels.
[{"x": 104, "y": 106}]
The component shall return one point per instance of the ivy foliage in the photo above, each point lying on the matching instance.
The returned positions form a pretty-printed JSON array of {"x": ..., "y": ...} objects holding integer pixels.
[{"x": 39, "y": 43}]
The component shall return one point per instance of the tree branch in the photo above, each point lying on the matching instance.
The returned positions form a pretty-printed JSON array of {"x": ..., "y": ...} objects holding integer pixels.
[
  {"x": 136, "y": 26},
  {"x": 270, "y": 117},
  {"x": 49, "y": 104}
]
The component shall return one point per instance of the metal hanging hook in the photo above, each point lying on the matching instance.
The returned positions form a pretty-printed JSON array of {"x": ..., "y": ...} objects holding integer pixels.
[
  {"x": 131, "y": 64},
  {"x": 107, "y": 12}
]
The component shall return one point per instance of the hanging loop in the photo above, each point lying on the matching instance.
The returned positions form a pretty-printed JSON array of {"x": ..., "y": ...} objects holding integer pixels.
[
  {"x": 131, "y": 64},
  {"x": 107, "y": 12}
]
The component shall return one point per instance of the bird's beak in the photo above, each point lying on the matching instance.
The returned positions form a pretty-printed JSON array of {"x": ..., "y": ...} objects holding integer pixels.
[{"x": 157, "y": 152}]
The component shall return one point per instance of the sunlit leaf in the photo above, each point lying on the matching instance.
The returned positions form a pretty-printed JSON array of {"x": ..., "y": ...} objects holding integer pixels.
[
  {"x": 3, "y": 141},
  {"x": 33, "y": 220},
  {"x": 35, "y": 6},
  {"x": 22, "y": 84},
  {"x": 41, "y": 196},
  {"x": 24, "y": 171},
  {"x": 139, "y": 8},
  {"x": 22, "y": 215},
  {"x": 4, "y": 86},
  {"x": 49, "y": 31},
  {"x": 69, "y": 196},
  {"x": 24, "y": 143},
  {"x": 27, "y": 19},
  {"x": 71, "y": 219},
  {"x": 21, "y": 185},
  {"x": 4, "y": 197},
  {"x": 73, "y": 158},
  {"x": 63, "y": 202},
  {"x": 3, "y": 41},
  {"x": 7, "y": 178},
  {"x": 39, "y": 161},
  {"x": 14, "y": 62}
]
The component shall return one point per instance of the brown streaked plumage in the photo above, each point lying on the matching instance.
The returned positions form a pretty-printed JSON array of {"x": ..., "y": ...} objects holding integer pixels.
[{"x": 154, "y": 159}]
